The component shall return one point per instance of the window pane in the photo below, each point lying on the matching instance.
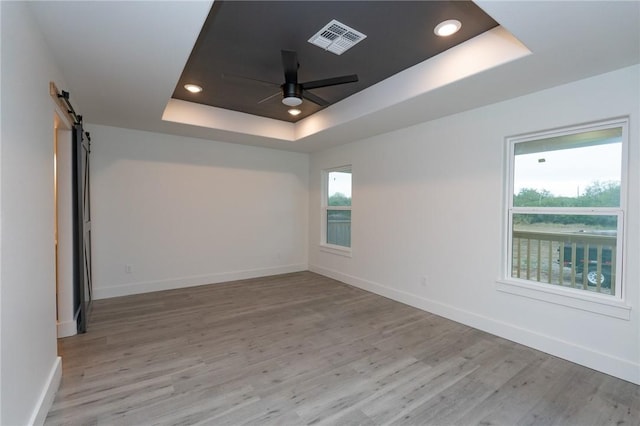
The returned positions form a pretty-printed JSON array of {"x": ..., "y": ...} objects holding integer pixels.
[
  {"x": 339, "y": 227},
  {"x": 576, "y": 170},
  {"x": 339, "y": 188},
  {"x": 554, "y": 249}
]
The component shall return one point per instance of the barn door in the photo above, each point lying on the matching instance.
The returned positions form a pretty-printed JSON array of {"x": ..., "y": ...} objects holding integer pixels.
[{"x": 82, "y": 226}]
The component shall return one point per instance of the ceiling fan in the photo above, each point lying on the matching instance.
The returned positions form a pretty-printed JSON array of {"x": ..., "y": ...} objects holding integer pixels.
[{"x": 293, "y": 92}]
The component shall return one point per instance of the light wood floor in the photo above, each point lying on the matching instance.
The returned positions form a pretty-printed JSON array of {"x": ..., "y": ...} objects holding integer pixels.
[{"x": 302, "y": 349}]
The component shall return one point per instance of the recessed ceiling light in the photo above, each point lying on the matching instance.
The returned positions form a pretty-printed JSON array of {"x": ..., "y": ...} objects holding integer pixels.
[
  {"x": 447, "y": 28},
  {"x": 294, "y": 111},
  {"x": 193, "y": 88}
]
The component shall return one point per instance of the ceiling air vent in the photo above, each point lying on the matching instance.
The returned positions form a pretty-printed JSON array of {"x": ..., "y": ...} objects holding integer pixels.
[{"x": 337, "y": 37}]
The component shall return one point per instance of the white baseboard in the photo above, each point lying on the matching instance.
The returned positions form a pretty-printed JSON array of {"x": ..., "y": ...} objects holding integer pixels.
[
  {"x": 192, "y": 281},
  {"x": 67, "y": 328},
  {"x": 48, "y": 394},
  {"x": 608, "y": 364}
]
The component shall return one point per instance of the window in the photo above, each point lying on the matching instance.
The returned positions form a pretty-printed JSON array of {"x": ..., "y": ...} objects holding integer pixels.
[
  {"x": 336, "y": 209},
  {"x": 565, "y": 210}
]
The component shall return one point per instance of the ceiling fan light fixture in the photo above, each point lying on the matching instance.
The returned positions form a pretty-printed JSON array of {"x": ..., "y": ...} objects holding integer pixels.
[
  {"x": 294, "y": 111},
  {"x": 291, "y": 101},
  {"x": 447, "y": 28},
  {"x": 193, "y": 88}
]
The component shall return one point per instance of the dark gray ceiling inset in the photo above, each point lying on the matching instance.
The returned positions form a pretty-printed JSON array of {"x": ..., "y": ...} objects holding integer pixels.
[{"x": 237, "y": 58}]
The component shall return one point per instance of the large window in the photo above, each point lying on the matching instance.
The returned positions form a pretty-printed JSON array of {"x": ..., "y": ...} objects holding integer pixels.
[
  {"x": 336, "y": 208},
  {"x": 566, "y": 209}
]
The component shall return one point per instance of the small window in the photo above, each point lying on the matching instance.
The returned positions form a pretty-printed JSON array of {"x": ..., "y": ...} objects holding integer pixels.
[
  {"x": 336, "y": 208},
  {"x": 566, "y": 209}
]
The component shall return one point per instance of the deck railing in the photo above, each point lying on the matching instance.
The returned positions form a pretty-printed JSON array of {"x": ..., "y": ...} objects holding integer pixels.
[
  {"x": 339, "y": 232},
  {"x": 559, "y": 258}
]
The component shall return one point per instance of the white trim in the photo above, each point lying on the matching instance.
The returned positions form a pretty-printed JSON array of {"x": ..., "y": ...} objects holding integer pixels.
[
  {"x": 578, "y": 299},
  {"x": 608, "y": 364},
  {"x": 334, "y": 249},
  {"x": 571, "y": 129},
  {"x": 45, "y": 401},
  {"x": 191, "y": 281},
  {"x": 67, "y": 328}
]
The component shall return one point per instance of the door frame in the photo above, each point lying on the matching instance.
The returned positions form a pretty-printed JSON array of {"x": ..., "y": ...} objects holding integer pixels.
[
  {"x": 66, "y": 320},
  {"x": 73, "y": 217}
]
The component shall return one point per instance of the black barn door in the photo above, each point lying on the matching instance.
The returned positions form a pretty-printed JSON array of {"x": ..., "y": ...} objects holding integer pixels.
[{"x": 82, "y": 290}]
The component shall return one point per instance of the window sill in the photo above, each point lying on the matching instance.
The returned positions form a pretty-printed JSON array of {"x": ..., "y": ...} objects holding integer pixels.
[
  {"x": 333, "y": 249},
  {"x": 602, "y": 305}
]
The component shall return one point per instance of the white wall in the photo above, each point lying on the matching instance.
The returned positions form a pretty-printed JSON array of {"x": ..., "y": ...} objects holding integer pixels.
[
  {"x": 428, "y": 201},
  {"x": 30, "y": 367},
  {"x": 183, "y": 211},
  {"x": 1, "y": 37}
]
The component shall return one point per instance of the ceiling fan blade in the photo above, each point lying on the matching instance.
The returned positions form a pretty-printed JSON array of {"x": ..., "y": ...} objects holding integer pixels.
[
  {"x": 330, "y": 82},
  {"x": 270, "y": 96},
  {"x": 313, "y": 98},
  {"x": 243, "y": 80},
  {"x": 290, "y": 65}
]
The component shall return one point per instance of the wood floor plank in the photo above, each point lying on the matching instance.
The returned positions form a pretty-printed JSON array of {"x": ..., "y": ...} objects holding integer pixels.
[{"x": 302, "y": 349}]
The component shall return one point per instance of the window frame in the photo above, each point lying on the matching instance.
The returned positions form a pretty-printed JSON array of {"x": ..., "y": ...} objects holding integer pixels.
[
  {"x": 610, "y": 305},
  {"x": 324, "y": 245}
]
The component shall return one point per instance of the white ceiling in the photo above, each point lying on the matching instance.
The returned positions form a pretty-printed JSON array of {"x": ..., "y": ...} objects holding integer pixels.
[{"x": 122, "y": 59}]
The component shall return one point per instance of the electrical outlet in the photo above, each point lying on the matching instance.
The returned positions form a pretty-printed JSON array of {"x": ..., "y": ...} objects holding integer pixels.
[
  {"x": 128, "y": 269},
  {"x": 424, "y": 281}
]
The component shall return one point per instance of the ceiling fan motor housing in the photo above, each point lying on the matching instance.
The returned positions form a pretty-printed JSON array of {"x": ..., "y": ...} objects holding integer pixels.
[{"x": 291, "y": 94}]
